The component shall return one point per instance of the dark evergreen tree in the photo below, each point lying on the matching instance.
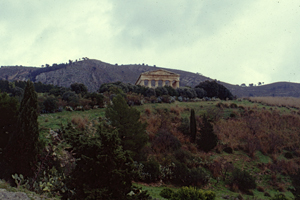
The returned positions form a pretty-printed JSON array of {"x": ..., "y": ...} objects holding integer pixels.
[
  {"x": 4, "y": 86},
  {"x": 103, "y": 170},
  {"x": 193, "y": 126},
  {"x": 50, "y": 104},
  {"x": 208, "y": 139},
  {"x": 161, "y": 91},
  {"x": 215, "y": 89},
  {"x": 23, "y": 146},
  {"x": 8, "y": 118},
  {"x": 127, "y": 120},
  {"x": 79, "y": 88}
]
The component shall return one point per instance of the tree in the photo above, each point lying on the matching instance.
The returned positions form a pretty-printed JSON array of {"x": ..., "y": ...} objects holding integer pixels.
[
  {"x": 215, "y": 89},
  {"x": 103, "y": 170},
  {"x": 50, "y": 104},
  {"x": 23, "y": 146},
  {"x": 127, "y": 120},
  {"x": 208, "y": 139},
  {"x": 193, "y": 126},
  {"x": 79, "y": 88},
  {"x": 8, "y": 118}
]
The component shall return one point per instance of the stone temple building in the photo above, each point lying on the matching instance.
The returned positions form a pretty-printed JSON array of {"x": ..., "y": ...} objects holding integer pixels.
[{"x": 157, "y": 78}]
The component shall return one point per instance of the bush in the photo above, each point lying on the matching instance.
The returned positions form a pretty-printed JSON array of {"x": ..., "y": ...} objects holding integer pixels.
[
  {"x": 50, "y": 105},
  {"x": 243, "y": 179},
  {"x": 166, "y": 193},
  {"x": 165, "y": 142},
  {"x": 279, "y": 197},
  {"x": 151, "y": 171},
  {"x": 191, "y": 193}
]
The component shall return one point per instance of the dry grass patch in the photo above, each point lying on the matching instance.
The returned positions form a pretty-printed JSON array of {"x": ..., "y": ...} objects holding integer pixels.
[{"x": 278, "y": 101}]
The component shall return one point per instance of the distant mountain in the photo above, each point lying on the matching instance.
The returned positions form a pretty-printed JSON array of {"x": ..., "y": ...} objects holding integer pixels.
[{"x": 93, "y": 73}]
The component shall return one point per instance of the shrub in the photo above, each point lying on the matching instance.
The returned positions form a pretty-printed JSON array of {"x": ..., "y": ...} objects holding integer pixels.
[
  {"x": 243, "y": 179},
  {"x": 184, "y": 126},
  {"x": 50, "y": 104},
  {"x": 151, "y": 171},
  {"x": 166, "y": 193},
  {"x": 233, "y": 105},
  {"x": 279, "y": 197},
  {"x": 182, "y": 155},
  {"x": 165, "y": 142},
  {"x": 191, "y": 193}
]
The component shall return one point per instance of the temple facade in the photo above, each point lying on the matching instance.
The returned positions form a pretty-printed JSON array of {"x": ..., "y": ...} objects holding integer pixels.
[{"x": 160, "y": 77}]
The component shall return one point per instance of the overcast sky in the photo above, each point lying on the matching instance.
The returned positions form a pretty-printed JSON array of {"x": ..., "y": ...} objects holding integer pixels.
[{"x": 230, "y": 40}]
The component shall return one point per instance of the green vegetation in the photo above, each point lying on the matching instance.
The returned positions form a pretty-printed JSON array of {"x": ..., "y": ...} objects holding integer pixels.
[{"x": 180, "y": 148}]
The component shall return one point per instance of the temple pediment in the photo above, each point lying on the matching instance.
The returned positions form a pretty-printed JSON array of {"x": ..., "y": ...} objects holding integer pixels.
[
  {"x": 167, "y": 78},
  {"x": 159, "y": 72}
]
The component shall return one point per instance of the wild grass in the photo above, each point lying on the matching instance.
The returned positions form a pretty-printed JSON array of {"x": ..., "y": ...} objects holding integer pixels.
[{"x": 291, "y": 102}]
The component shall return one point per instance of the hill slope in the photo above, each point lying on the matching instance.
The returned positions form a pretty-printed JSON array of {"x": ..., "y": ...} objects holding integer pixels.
[{"x": 93, "y": 73}]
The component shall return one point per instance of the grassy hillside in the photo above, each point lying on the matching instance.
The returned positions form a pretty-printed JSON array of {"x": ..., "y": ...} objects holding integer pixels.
[{"x": 256, "y": 136}]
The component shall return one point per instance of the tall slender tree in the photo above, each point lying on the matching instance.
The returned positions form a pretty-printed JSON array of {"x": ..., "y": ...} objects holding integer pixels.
[
  {"x": 193, "y": 126},
  {"x": 208, "y": 139},
  {"x": 23, "y": 146}
]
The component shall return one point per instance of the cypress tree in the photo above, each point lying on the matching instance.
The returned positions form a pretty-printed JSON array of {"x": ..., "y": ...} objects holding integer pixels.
[
  {"x": 22, "y": 149},
  {"x": 208, "y": 139},
  {"x": 193, "y": 126}
]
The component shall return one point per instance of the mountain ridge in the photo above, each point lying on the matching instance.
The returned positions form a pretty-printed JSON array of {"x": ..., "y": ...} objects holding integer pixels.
[{"x": 93, "y": 73}]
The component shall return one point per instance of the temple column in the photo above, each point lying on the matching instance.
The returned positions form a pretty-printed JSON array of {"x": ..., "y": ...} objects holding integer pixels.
[
  {"x": 149, "y": 83},
  {"x": 163, "y": 83},
  {"x": 177, "y": 84},
  {"x": 156, "y": 83}
]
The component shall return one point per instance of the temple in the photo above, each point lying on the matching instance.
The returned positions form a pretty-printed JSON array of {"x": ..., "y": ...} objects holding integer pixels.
[{"x": 157, "y": 78}]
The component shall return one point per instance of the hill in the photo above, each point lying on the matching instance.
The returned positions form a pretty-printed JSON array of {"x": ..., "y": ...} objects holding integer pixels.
[{"x": 93, "y": 73}]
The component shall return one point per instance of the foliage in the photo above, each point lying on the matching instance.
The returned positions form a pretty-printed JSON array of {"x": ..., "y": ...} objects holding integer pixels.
[
  {"x": 296, "y": 184},
  {"x": 103, "y": 169},
  {"x": 50, "y": 104},
  {"x": 124, "y": 87},
  {"x": 186, "y": 92},
  {"x": 151, "y": 170},
  {"x": 166, "y": 193},
  {"x": 191, "y": 193},
  {"x": 279, "y": 197},
  {"x": 165, "y": 142},
  {"x": 161, "y": 91},
  {"x": 97, "y": 99},
  {"x": 17, "y": 92},
  {"x": 4, "y": 86},
  {"x": 208, "y": 139},
  {"x": 193, "y": 126},
  {"x": 8, "y": 119},
  {"x": 184, "y": 127},
  {"x": 71, "y": 97},
  {"x": 171, "y": 90},
  {"x": 23, "y": 147},
  {"x": 79, "y": 88},
  {"x": 50, "y": 183},
  {"x": 243, "y": 180},
  {"x": 214, "y": 89},
  {"x": 200, "y": 92},
  {"x": 127, "y": 121}
]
